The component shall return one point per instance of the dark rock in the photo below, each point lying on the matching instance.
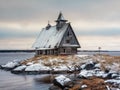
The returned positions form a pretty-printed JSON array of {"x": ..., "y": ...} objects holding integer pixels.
[
  {"x": 63, "y": 82},
  {"x": 66, "y": 88},
  {"x": 115, "y": 75},
  {"x": 53, "y": 87},
  {"x": 57, "y": 84},
  {"x": 89, "y": 66},
  {"x": 69, "y": 84},
  {"x": 17, "y": 72},
  {"x": 107, "y": 70},
  {"x": 112, "y": 75},
  {"x": 0, "y": 67}
]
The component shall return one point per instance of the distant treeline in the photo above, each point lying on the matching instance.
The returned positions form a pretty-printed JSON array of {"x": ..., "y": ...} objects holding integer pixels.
[{"x": 17, "y": 51}]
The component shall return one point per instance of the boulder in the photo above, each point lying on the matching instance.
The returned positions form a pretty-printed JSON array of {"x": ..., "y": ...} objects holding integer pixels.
[
  {"x": 10, "y": 65},
  {"x": 62, "y": 82},
  {"x": 84, "y": 74},
  {"x": 53, "y": 87},
  {"x": 89, "y": 65}
]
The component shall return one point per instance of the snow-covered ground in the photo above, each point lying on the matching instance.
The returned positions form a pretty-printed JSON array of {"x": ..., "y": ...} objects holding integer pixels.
[{"x": 102, "y": 66}]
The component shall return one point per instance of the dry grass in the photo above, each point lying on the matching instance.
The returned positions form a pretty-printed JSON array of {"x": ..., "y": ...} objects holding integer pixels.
[
  {"x": 107, "y": 60},
  {"x": 64, "y": 59},
  {"x": 94, "y": 84},
  {"x": 76, "y": 87},
  {"x": 46, "y": 79}
]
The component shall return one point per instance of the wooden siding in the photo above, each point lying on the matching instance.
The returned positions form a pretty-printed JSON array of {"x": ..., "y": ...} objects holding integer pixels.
[{"x": 69, "y": 38}]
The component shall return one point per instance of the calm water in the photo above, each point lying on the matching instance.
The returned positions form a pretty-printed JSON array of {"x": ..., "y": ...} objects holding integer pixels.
[{"x": 10, "y": 81}]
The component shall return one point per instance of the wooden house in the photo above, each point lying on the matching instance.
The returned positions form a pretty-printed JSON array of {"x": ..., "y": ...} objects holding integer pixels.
[{"x": 56, "y": 40}]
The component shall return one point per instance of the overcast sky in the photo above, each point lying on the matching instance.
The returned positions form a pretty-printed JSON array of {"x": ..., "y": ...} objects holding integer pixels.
[{"x": 95, "y": 22}]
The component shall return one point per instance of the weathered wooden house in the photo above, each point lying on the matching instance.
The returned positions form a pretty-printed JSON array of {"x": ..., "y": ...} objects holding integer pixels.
[{"x": 56, "y": 40}]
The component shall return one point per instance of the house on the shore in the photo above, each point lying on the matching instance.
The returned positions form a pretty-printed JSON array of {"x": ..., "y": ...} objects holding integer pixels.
[{"x": 56, "y": 40}]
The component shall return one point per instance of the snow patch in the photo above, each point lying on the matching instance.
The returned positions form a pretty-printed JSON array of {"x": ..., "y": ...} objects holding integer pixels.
[
  {"x": 20, "y": 68},
  {"x": 84, "y": 86},
  {"x": 36, "y": 67},
  {"x": 62, "y": 79},
  {"x": 10, "y": 65}
]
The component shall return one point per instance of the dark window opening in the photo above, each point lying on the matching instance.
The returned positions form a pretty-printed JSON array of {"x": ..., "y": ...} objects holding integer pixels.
[
  {"x": 64, "y": 50},
  {"x": 67, "y": 41},
  {"x": 49, "y": 46},
  {"x": 68, "y": 34}
]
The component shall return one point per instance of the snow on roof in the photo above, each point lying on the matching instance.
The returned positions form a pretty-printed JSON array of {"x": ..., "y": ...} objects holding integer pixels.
[{"x": 50, "y": 38}]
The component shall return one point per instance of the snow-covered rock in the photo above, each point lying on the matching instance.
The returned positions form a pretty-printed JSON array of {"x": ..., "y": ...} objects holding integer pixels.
[
  {"x": 10, "y": 65},
  {"x": 88, "y": 65},
  {"x": 61, "y": 68},
  {"x": 62, "y": 79},
  {"x": 115, "y": 84},
  {"x": 94, "y": 72},
  {"x": 113, "y": 81},
  {"x": 98, "y": 65},
  {"x": 37, "y": 67},
  {"x": 85, "y": 73},
  {"x": 20, "y": 68}
]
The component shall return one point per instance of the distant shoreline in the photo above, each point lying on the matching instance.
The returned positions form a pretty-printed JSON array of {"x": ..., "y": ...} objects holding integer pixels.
[{"x": 4, "y": 51}]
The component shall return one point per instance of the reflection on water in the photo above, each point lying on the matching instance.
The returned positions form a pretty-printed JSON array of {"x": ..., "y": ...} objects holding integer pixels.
[{"x": 10, "y": 81}]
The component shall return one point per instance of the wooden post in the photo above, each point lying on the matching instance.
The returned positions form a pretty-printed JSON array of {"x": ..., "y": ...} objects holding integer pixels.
[{"x": 99, "y": 48}]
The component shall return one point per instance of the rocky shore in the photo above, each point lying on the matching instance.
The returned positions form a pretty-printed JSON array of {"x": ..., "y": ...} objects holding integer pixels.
[{"x": 80, "y": 72}]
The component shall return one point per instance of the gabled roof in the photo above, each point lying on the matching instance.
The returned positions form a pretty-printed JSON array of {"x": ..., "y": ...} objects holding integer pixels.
[{"x": 50, "y": 38}]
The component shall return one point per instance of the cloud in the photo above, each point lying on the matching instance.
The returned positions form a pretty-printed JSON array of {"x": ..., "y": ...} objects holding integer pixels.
[
  {"x": 15, "y": 33},
  {"x": 39, "y": 10},
  {"x": 93, "y": 42},
  {"x": 99, "y": 19},
  {"x": 16, "y": 43}
]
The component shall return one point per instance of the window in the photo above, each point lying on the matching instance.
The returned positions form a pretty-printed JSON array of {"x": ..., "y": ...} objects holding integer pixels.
[
  {"x": 67, "y": 41},
  {"x": 64, "y": 50},
  {"x": 68, "y": 34}
]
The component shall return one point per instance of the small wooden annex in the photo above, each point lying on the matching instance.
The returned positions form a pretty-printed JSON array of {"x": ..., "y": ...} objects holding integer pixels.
[{"x": 56, "y": 40}]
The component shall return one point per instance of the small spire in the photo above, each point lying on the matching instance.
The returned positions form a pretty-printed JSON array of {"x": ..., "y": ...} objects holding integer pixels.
[
  {"x": 60, "y": 17},
  {"x": 48, "y": 26}
]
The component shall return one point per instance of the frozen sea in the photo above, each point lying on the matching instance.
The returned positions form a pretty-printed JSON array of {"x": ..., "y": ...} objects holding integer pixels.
[{"x": 9, "y": 81}]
